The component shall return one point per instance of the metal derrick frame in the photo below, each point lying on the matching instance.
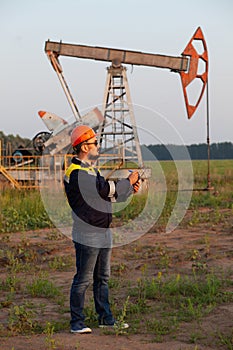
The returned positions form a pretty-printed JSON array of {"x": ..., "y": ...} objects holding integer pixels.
[{"x": 118, "y": 133}]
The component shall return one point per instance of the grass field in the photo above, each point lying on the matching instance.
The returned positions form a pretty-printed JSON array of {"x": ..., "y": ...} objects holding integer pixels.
[
  {"x": 175, "y": 287},
  {"x": 24, "y": 210}
]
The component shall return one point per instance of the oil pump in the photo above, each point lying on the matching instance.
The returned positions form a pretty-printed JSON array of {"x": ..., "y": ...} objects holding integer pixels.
[{"x": 117, "y": 132}]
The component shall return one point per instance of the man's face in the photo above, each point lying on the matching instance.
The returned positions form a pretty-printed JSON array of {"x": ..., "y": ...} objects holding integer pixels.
[{"x": 93, "y": 149}]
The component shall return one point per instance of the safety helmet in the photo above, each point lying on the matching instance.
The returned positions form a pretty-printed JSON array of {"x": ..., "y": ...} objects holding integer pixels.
[{"x": 80, "y": 134}]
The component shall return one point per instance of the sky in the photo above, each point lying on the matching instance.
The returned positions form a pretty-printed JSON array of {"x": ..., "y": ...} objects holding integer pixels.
[{"x": 29, "y": 84}]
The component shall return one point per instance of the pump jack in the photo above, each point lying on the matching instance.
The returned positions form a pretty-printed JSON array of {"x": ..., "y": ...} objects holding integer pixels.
[{"x": 118, "y": 133}]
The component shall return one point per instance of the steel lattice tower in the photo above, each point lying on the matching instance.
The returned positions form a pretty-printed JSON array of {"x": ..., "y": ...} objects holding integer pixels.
[{"x": 118, "y": 133}]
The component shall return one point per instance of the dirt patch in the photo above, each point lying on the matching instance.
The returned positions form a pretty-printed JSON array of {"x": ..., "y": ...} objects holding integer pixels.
[
  {"x": 96, "y": 341},
  {"x": 45, "y": 252}
]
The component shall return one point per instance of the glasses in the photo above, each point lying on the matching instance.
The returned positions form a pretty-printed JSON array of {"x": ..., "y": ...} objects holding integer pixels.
[{"x": 92, "y": 143}]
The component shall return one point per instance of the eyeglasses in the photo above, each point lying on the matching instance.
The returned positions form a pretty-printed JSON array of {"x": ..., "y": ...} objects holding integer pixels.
[{"x": 92, "y": 143}]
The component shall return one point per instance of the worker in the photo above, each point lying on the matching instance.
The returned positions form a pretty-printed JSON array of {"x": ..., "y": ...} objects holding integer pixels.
[{"x": 90, "y": 197}]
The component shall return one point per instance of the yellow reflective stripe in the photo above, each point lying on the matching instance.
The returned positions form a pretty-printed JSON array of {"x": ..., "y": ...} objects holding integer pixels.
[
  {"x": 71, "y": 168},
  {"x": 78, "y": 167}
]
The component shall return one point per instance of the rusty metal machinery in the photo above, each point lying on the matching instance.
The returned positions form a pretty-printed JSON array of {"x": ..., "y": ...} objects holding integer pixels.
[{"x": 118, "y": 133}]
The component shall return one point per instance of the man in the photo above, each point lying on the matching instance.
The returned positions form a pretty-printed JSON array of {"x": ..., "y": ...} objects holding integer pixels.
[{"x": 90, "y": 196}]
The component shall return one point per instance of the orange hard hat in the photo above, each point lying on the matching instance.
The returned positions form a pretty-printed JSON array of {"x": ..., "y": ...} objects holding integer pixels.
[{"x": 80, "y": 134}]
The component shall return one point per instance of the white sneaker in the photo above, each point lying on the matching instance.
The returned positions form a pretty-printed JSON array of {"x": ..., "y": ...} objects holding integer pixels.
[{"x": 83, "y": 330}]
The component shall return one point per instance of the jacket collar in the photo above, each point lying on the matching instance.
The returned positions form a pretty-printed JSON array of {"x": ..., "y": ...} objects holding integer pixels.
[{"x": 78, "y": 161}]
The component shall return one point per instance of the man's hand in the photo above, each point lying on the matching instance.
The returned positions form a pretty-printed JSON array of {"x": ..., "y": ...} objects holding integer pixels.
[
  {"x": 133, "y": 177},
  {"x": 136, "y": 186}
]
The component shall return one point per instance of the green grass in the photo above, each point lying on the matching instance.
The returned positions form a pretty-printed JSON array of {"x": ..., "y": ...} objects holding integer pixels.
[
  {"x": 60, "y": 263},
  {"x": 21, "y": 320},
  {"x": 42, "y": 287},
  {"x": 175, "y": 299},
  {"x": 24, "y": 210}
]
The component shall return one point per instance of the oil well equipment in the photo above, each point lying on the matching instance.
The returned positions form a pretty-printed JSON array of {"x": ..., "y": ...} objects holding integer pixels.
[{"x": 117, "y": 130}]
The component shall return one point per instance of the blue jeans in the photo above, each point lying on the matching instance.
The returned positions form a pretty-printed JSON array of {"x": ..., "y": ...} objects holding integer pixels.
[{"x": 91, "y": 263}]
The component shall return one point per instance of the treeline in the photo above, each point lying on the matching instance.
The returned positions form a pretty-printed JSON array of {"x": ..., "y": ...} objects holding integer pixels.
[
  {"x": 222, "y": 150},
  {"x": 11, "y": 142}
]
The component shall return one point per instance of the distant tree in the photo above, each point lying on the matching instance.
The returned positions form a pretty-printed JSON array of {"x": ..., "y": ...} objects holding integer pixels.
[
  {"x": 10, "y": 143},
  {"x": 222, "y": 150}
]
